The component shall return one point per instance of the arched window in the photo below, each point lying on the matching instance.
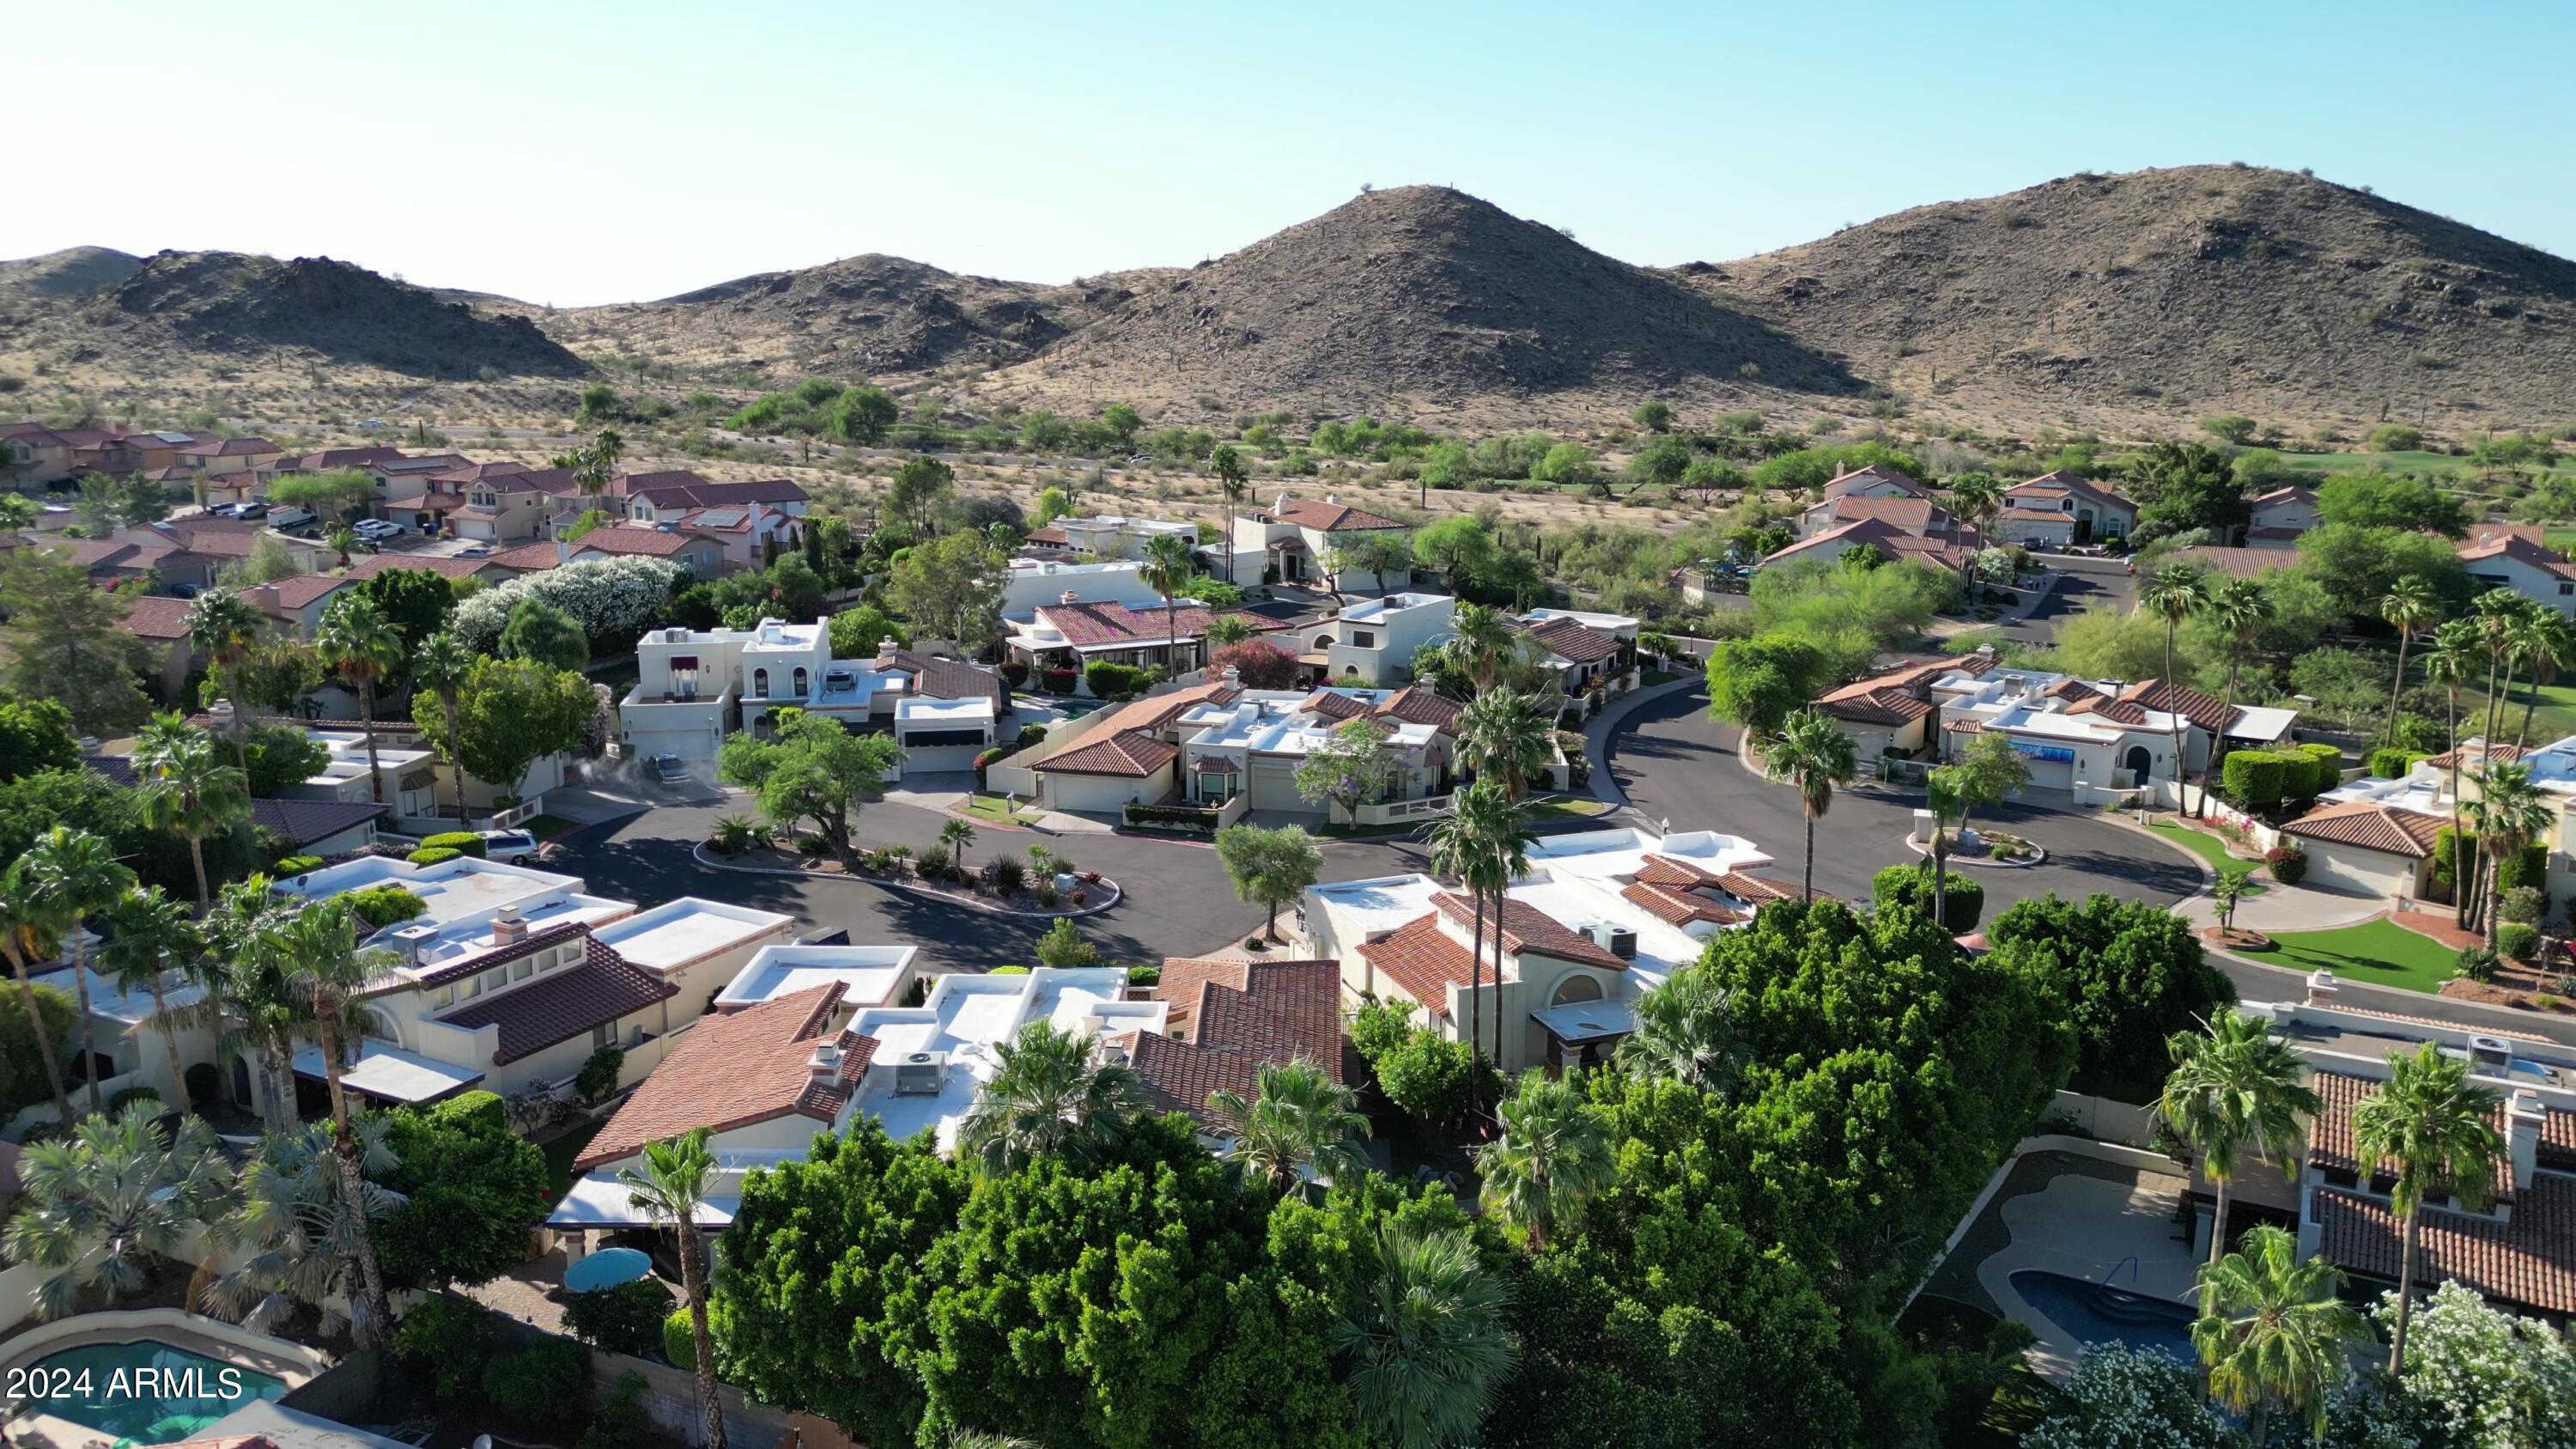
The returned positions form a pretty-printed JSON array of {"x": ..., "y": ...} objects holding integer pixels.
[
  {"x": 760, "y": 684},
  {"x": 380, "y": 1027},
  {"x": 800, "y": 681},
  {"x": 1577, "y": 987}
]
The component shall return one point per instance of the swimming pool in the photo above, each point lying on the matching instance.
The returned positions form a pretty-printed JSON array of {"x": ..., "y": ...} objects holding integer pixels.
[
  {"x": 143, "y": 1391},
  {"x": 2093, "y": 1313}
]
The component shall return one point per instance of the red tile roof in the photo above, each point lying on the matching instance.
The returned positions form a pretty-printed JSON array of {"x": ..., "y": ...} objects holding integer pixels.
[
  {"x": 149, "y": 617},
  {"x": 703, "y": 494},
  {"x": 1327, "y": 517},
  {"x": 1228, "y": 1019},
  {"x": 1573, "y": 640},
  {"x": 294, "y": 592},
  {"x": 1129, "y": 753},
  {"x": 1875, "y": 473},
  {"x": 1676, "y": 907},
  {"x": 1334, "y": 705},
  {"x": 2330, "y": 1140},
  {"x": 621, "y": 539},
  {"x": 564, "y": 1004},
  {"x": 731, "y": 1071},
  {"x": 2205, "y": 710},
  {"x": 1421, "y": 959},
  {"x": 447, "y": 567},
  {"x": 2243, "y": 563},
  {"x": 1133, "y": 723},
  {"x": 1417, "y": 704},
  {"x": 1083, "y": 622},
  {"x": 2372, "y": 826},
  {"x": 2529, "y": 1261},
  {"x": 2473, "y": 755},
  {"x": 1525, "y": 928},
  {"x": 2522, "y": 550}
]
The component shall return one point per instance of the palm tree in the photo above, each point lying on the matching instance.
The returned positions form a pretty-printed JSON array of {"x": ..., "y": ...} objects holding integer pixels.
[
  {"x": 1227, "y": 464},
  {"x": 224, "y": 627},
  {"x": 2240, "y": 607},
  {"x": 26, "y": 936},
  {"x": 2448, "y": 661},
  {"x": 250, "y": 997},
  {"x": 1685, "y": 1033},
  {"x": 316, "y": 949},
  {"x": 71, "y": 876},
  {"x": 2407, "y": 607},
  {"x": 1554, "y": 1154},
  {"x": 1427, "y": 1340},
  {"x": 2225, "y": 894},
  {"x": 2543, "y": 643},
  {"x": 1975, "y": 499},
  {"x": 440, "y": 666},
  {"x": 2508, "y": 815},
  {"x": 1166, "y": 570},
  {"x": 1508, "y": 736},
  {"x": 1813, "y": 754},
  {"x": 105, "y": 1202},
  {"x": 2497, "y": 612},
  {"x": 2435, "y": 1129},
  {"x": 2235, "y": 1088},
  {"x": 1297, "y": 1120},
  {"x": 1942, "y": 796},
  {"x": 2174, "y": 592},
  {"x": 148, "y": 934},
  {"x": 1484, "y": 842},
  {"x": 184, "y": 789},
  {"x": 2271, "y": 1330},
  {"x": 1483, "y": 643},
  {"x": 344, "y": 542},
  {"x": 299, "y": 1227},
  {"x": 671, "y": 1184},
  {"x": 956, "y": 837},
  {"x": 356, "y": 639},
  {"x": 1048, "y": 1098}
]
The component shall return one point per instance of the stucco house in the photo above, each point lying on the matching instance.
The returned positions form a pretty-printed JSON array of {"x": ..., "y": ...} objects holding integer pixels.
[
  {"x": 696, "y": 686},
  {"x": 1293, "y": 535},
  {"x": 2077, "y": 734},
  {"x": 2511, "y": 558},
  {"x": 1372, "y": 641},
  {"x": 2277, "y": 519},
  {"x": 2055, "y": 510},
  {"x": 1252, "y": 742}
]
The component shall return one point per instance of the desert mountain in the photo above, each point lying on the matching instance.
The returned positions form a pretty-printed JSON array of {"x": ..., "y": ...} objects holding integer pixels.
[
  {"x": 1418, "y": 296},
  {"x": 71, "y": 272},
  {"x": 2182, "y": 293}
]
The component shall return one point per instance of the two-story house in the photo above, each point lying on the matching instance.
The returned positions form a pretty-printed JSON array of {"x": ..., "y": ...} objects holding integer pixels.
[
  {"x": 695, "y": 686},
  {"x": 2056, "y": 510},
  {"x": 495, "y": 502},
  {"x": 1294, "y": 535},
  {"x": 1372, "y": 641},
  {"x": 1252, "y": 742},
  {"x": 2500, "y": 557},
  {"x": 2277, "y": 519}
]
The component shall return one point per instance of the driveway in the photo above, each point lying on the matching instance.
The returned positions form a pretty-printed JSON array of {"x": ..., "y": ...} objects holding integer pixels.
[{"x": 2082, "y": 583}]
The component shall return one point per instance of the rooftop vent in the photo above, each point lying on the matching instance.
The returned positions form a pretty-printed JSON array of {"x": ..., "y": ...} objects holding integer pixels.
[
  {"x": 921, "y": 1074},
  {"x": 2490, "y": 1051},
  {"x": 825, "y": 1064},
  {"x": 1068, "y": 598},
  {"x": 412, "y": 938}
]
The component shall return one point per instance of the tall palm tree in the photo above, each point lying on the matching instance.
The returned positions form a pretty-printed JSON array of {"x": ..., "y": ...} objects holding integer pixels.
[
  {"x": 957, "y": 837},
  {"x": 250, "y": 996},
  {"x": 1685, "y": 1033},
  {"x": 2240, "y": 607},
  {"x": 71, "y": 876},
  {"x": 1485, "y": 843},
  {"x": 2434, "y": 1129},
  {"x": 670, "y": 1184},
  {"x": 104, "y": 1203},
  {"x": 1227, "y": 464},
  {"x": 2497, "y": 612},
  {"x": 1944, "y": 797},
  {"x": 2174, "y": 593},
  {"x": 2235, "y": 1088},
  {"x": 26, "y": 937},
  {"x": 2543, "y": 644},
  {"x": 2508, "y": 815},
  {"x": 1483, "y": 643},
  {"x": 1297, "y": 1120},
  {"x": 296, "y": 1231},
  {"x": 148, "y": 934},
  {"x": 2408, "y": 607},
  {"x": 1506, "y": 735},
  {"x": 184, "y": 789},
  {"x": 2272, "y": 1332},
  {"x": 1554, "y": 1154},
  {"x": 440, "y": 666},
  {"x": 224, "y": 627},
  {"x": 1813, "y": 754},
  {"x": 1167, "y": 569},
  {"x": 2450, "y": 660},
  {"x": 316, "y": 949},
  {"x": 357, "y": 639},
  {"x": 1427, "y": 1340},
  {"x": 1049, "y": 1098},
  {"x": 1975, "y": 499}
]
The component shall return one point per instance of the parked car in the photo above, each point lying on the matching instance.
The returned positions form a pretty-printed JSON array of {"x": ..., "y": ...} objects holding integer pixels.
[
  {"x": 287, "y": 518},
  {"x": 510, "y": 847},
  {"x": 376, "y": 528},
  {"x": 474, "y": 550},
  {"x": 668, "y": 769}
]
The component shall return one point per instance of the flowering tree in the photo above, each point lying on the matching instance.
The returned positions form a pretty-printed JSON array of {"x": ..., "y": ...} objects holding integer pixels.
[
  {"x": 1351, "y": 768},
  {"x": 616, "y": 598},
  {"x": 2128, "y": 1398},
  {"x": 2475, "y": 1378}
]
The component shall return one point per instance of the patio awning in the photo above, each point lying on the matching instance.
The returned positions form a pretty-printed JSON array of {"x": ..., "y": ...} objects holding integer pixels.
[
  {"x": 390, "y": 1074},
  {"x": 1582, "y": 1023}
]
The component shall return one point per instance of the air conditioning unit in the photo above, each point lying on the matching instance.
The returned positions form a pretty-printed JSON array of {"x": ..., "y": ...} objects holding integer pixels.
[
  {"x": 1619, "y": 941},
  {"x": 921, "y": 1074},
  {"x": 410, "y": 939}
]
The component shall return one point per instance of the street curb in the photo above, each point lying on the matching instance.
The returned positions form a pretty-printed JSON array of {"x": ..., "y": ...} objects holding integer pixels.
[{"x": 698, "y": 852}]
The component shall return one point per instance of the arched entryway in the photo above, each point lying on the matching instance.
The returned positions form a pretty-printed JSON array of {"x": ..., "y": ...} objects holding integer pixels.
[{"x": 2139, "y": 764}]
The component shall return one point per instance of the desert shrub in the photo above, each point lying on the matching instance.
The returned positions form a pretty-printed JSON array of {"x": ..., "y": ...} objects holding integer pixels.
[
  {"x": 2289, "y": 864},
  {"x": 463, "y": 842},
  {"x": 599, "y": 1076},
  {"x": 812, "y": 846},
  {"x": 386, "y": 905},
  {"x": 2524, "y": 904},
  {"x": 625, "y": 1319},
  {"x": 1114, "y": 681},
  {"x": 1006, "y": 874},
  {"x": 433, "y": 855},
  {"x": 2518, "y": 940},
  {"x": 679, "y": 1340},
  {"x": 548, "y": 1382},
  {"x": 1047, "y": 895},
  {"x": 2475, "y": 963},
  {"x": 450, "y": 1338},
  {"x": 1911, "y": 886}
]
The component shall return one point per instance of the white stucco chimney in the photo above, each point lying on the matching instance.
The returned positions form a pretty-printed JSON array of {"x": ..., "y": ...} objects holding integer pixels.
[
  {"x": 509, "y": 927},
  {"x": 2524, "y": 1118},
  {"x": 2322, "y": 988}
]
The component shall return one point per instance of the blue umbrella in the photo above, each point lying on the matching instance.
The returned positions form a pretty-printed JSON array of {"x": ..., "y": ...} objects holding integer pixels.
[{"x": 606, "y": 1269}]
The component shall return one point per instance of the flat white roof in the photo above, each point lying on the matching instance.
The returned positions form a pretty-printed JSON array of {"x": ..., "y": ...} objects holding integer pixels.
[
  {"x": 966, "y": 1017},
  {"x": 871, "y": 974},
  {"x": 114, "y": 1003},
  {"x": 392, "y": 1074},
  {"x": 2262, "y": 723},
  {"x": 675, "y": 933},
  {"x": 922, "y": 710}
]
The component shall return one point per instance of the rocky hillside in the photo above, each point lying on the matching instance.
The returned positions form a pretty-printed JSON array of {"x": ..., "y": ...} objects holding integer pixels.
[
  {"x": 71, "y": 272},
  {"x": 2159, "y": 296},
  {"x": 1422, "y": 298}
]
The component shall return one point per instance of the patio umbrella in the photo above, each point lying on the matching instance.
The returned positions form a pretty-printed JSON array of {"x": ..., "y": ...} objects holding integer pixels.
[{"x": 606, "y": 1269}]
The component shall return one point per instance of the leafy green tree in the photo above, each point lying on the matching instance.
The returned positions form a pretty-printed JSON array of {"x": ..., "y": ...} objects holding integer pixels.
[
  {"x": 2185, "y": 486},
  {"x": 856, "y": 632},
  {"x": 863, "y": 414},
  {"x": 544, "y": 634},
  {"x": 1813, "y": 754},
  {"x": 919, "y": 494},
  {"x": 1297, "y": 1121},
  {"x": 333, "y": 496},
  {"x": 2356, "y": 566},
  {"x": 2132, "y": 977},
  {"x": 2235, "y": 1088},
  {"x": 67, "y": 642},
  {"x": 1553, "y": 1156},
  {"x": 1661, "y": 462},
  {"x": 1758, "y": 683},
  {"x": 470, "y": 1187},
  {"x": 2433, "y": 1127},
  {"x": 2388, "y": 500},
  {"x": 2231, "y": 429},
  {"x": 1654, "y": 417},
  {"x": 30, "y": 1067},
  {"x": 1568, "y": 465},
  {"x": 1353, "y": 767},
  {"x": 952, "y": 585},
  {"x": 510, "y": 713},
  {"x": 810, "y": 769},
  {"x": 36, "y": 734},
  {"x": 101, "y": 1205},
  {"x": 1048, "y": 1098},
  {"x": 416, "y": 602},
  {"x": 1378, "y": 554},
  {"x": 1428, "y": 1340},
  {"x": 1269, "y": 866},
  {"x": 2129, "y": 1398},
  {"x": 2271, "y": 1330}
]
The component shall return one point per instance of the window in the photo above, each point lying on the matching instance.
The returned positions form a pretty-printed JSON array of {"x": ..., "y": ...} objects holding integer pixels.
[
  {"x": 800, "y": 682},
  {"x": 445, "y": 996},
  {"x": 1363, "y": 639},
  {"x": 602, "y": 1036},
  {"x": 760, "y": 684},
  {"x": 526, "y": 967},
  {"x": 471, "y": 987},
  {"x": 496, "y": 978}
]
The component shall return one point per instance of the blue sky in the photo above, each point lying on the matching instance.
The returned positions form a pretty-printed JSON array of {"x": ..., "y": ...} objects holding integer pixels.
[{"x": 571, "y": 152}]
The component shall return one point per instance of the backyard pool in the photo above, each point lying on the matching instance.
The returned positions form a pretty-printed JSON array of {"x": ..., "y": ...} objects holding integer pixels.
[
  {"x": 144, "y": 1391},
  {"x": 2096, "y": 1313}
]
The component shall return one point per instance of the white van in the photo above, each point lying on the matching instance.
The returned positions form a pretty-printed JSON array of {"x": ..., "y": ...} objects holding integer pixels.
[{"x": 290, "y": 518}]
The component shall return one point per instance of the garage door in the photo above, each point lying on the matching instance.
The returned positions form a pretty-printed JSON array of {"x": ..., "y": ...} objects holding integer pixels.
[
  {"x": 1274, "y": 785},
  {"x": 2050, "y": 774},
  {"x": 2355, "y": 871}
]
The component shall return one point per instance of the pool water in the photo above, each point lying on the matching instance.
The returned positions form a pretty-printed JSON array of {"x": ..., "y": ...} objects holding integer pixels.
[
  {"x": 142, "y": 1392},
  {"x": 2093, "y": 1313}
]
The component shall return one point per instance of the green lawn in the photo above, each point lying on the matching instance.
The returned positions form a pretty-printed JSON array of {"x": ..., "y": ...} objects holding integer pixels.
[
  {"x": 995, "y": 809},
  {"x": 1563, "y": 807},
  {"x": 2553, "y": 719},
  {"x": 560, "y": 1153},
  {"x": 2209, "y": 848},
  {"x": 2374, "y": 951}
]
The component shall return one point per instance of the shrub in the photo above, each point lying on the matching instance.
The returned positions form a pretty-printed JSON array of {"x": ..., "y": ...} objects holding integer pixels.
[
  {"x": 812, "y": 846},
  {"x": 463, "y": 842},
  {"x": 2288, "y": 863},
  {"x": 1064, "y": 945},
  {"x": 1057, "y": 681},
  {"x": 599, "y": 1076},
  {"x": 2475, "y": 963},
  {"x": 1047, "y": 895},
  {"x": 1380, "y": 1027},
  {"x": 985, "y": 762},
  {"x": 1431, "y": 1077},
  {"x": 294, "y": 865},
  {"x": 1258, "y": 664},
  {"x": 620, "y": 1420},
  {"x": 1114, "y": 681},
  {"x": 2391, "y": 762},
  {"x": 1030, "y": 734},
  {"x": 2524, "y": 904},
  {"x": 1911, "y": 886},
  {"x": 734, "y": 834},
  {"x": 2528, "y": 869},
  {"x": 1006, "y": 875},
  {"x": 2324, "y": 767},
  {"x": 625, "y": 1319},
  {"x": 1015, "y": 672},
  {"x": 451, "y": 1338},
  {"x": 548, "y": 1382},
  {"x": 2254, "y": 778},
  {"x": 386, "y": 905},
  {"x": 433, "y": 855},
  {"x": 22, "y": 1073},
  {"x": 1144, "y": 975},
  {"x": 203, "y": 1082},
  {"x": 679, "y": 1340},
  {"x": 117, "y": 1104},
  {"x": 2449, "y": 846},
  {"x": 2518, "y": 940}
]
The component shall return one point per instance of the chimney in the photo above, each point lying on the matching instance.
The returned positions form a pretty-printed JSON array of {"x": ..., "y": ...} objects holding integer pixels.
[
  {"x": 219, "y": 717},
  {"x": 1068, "y": 598},
  {"x": 1232, "y": 676},
  {"x": 2524, "y": 1117},
  {"x": 2322, "y": 988},
  {"x": 824, "y": 1067},
  {"x": 563, "y": 552},
  {"x": 885, "y": 653},
  {"x": 509, "y": 927}
]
